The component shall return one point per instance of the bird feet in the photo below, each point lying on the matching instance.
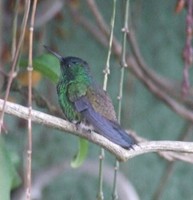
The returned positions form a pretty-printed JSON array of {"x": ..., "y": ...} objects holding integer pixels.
[{"x": 83, "y": 127}]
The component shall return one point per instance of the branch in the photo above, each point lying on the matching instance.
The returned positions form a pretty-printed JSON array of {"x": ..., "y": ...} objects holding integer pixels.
[
  {"x": 120, "y": 153},
  {"x": 171, "y": 88},
  {"x": 176, "y": 106}
]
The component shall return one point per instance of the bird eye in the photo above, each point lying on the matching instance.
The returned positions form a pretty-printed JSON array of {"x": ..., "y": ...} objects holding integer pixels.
[{"x": 74, "y": 62}]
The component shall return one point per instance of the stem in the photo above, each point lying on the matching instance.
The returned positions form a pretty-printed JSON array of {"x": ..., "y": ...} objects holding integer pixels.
[
  {"x": 107, "y": 67},
  {"x": 30, "y": 69},
  {"x": 14, "y": 34},
  {"x": 106, "y": 73},
  {"x": 123, "y": 65},
  {"x": 187, "y": 52},
  {"x": 116, "y": 169},
  {"x": 100, "y": 195},
  {"x": 125, "y": 31}
]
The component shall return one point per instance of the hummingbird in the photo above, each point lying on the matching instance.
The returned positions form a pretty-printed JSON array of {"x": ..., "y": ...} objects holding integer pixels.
[{"x": 83, "y": 101}]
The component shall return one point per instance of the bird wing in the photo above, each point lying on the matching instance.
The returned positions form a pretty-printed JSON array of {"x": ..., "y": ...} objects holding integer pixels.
[
  {"x": 103, "y": 126},
  {"x": 97, "y": 97},
  {"x": 101, "y": 102}
]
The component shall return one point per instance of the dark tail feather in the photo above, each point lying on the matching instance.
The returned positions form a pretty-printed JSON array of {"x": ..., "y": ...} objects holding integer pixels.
[
  {"x": 125, "y": 136},
  {"x": 108, "y": 129}
]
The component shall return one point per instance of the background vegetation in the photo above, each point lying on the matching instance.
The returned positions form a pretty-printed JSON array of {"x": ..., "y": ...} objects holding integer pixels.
[{"x": 71, "y": 28}]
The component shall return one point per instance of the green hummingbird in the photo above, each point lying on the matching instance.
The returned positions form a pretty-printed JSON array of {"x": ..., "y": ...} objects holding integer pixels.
[{"x": 82, "y": 100}]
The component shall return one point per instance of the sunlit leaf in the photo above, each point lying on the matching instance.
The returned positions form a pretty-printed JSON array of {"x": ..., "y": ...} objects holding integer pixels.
[
  {"x": 81, "y": 154},
  {"x": 47, "y": 64}
]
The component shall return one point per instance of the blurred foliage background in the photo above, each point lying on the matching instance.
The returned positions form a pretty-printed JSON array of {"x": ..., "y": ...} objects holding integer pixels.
[{"x": 161, "y": 36}]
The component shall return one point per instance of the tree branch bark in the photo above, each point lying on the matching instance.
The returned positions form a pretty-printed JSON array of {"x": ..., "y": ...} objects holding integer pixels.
[{"x": 120, "y": 153}]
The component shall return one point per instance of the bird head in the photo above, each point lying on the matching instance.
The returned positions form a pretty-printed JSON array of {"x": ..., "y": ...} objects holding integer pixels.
[{"x": 71, "y": 67}]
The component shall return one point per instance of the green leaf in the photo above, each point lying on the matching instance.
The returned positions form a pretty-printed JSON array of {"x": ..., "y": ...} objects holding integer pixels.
[
  {"x": 47, "y": 65},
  {"x": 81, "y": 154},
  {"x": 9, "y": 178}
]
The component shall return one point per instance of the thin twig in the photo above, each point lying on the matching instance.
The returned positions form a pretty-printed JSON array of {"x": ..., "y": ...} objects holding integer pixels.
[
  {"x": 99, "y": 19},
  {"x": 104, "y": 28},
  {"x": 115, "y": 181},
  {"x": 89, "y": 26},
  {"x": 169, "y": 156},
  {"x": 107, "y": 67},
  {"x": 40, "y": 100},
  {"x": 14, "y": 34},
  {"x": 106, "y": 71},
  {"x": 46, "y": 11},
  {"x": 162, "y": 82},
  {"x": 16, "y": 56},
  {"x": 100, "y": 195},
  {"x": 163, "y": 180},
  {"x": 170, "y": 88},
  {"x": 187, "y": 52},
  {"x": 120, "y": 153},
  {"x": 180, "y": 109},
  {"x": 30, "y": 69},
  {"x": 122, "y": 70}
]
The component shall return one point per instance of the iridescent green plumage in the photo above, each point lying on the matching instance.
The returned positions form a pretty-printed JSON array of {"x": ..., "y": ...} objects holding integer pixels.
[{"x": 69, "y": 89}]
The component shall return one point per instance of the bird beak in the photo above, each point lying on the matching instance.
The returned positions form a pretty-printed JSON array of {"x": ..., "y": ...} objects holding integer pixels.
[{"x": 54, "y": 53}]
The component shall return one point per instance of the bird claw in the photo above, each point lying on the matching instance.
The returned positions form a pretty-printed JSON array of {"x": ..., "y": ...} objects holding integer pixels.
[
  {"x": 83, "y": 127},
  {"x": 133, "y": 146}
]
